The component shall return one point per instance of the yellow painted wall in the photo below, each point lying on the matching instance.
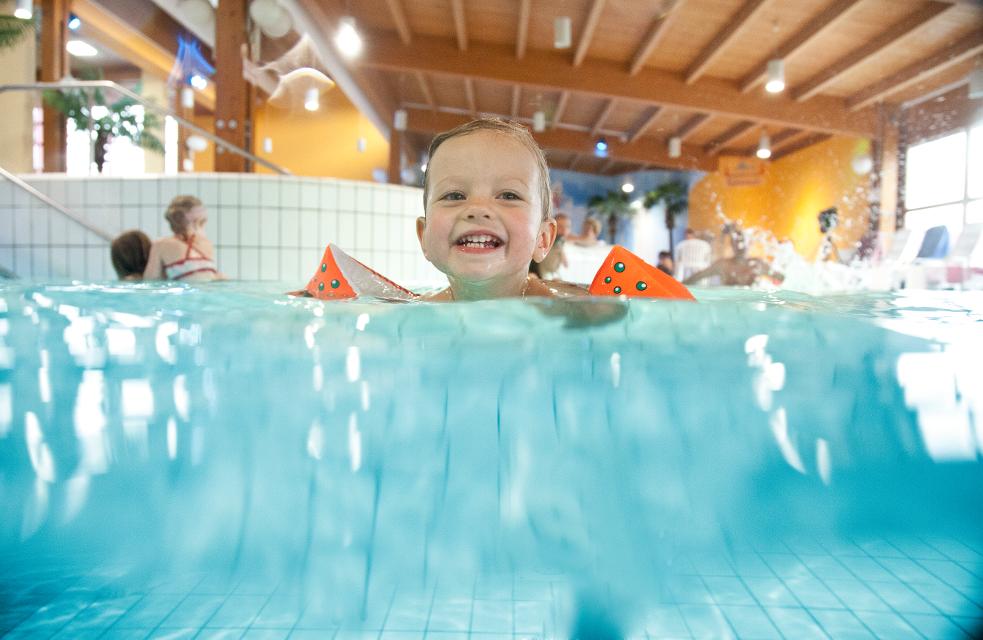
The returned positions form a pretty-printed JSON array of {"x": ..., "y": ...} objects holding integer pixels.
[
  {"x": 323, "y": 142},
  {"x": 795, "y": 189},
  {"x": 16, "y": 134}
]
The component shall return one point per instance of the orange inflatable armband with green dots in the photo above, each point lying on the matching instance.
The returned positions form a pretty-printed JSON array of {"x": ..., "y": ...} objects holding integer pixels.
[
  {"x": 624, "y": 274},
  {"x": 340, "y": 276}
]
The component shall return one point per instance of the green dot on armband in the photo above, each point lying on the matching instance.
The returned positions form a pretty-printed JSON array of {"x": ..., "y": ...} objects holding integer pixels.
[
  {"x": 607, "y": 280},
  {"x": 324, "y": 267},
  {"x": 335, "y": 284},
  {"x": 320, "y": 286},
  {"x": 617, "y": 289},
  {"x": 641, "y": 286},
  {"x": 619, "y": 266}
]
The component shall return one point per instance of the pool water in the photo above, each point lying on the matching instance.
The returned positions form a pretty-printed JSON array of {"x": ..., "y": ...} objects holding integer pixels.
[{"x": 225, "y": 461}]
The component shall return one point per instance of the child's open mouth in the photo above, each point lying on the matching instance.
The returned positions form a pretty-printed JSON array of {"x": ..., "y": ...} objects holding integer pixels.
[{"x": 478, "y": 242}]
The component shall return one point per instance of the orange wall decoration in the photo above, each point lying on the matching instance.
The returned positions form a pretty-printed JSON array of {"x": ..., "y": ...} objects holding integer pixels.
[
  {"x": 793, "y": 192},
  {"x": 321, "y": 143}
]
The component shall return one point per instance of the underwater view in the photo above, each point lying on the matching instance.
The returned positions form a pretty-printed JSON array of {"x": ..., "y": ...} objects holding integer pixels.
[{"x": 223, "y": 460}]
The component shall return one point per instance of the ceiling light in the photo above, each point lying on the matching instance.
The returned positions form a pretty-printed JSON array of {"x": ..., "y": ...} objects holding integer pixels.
[
  {"x": 347, "y": 40},
  {"x": 198, "y": 82},
  {"x": 312, "y": 99},
  {"x": 675, "y": 147},
  {"x": 776, "y": 76},
  {"x": 187, "y": 98},
  {"x": 562, "y": 32},
  {"x": 539, "y": 121},
  {"x": 400, "y": 120},
  {"x": 601, "y": 148},
  {"x": 24, "y": 9},
  {"x": 423, "y": 167},
  {"x": 81, "y": 49},
  {"x": 627, "y": 187},
  {"x": 764, "y": 146},
  {"x": 976, "y": 83},
  {"x": 74, "y": 22}
]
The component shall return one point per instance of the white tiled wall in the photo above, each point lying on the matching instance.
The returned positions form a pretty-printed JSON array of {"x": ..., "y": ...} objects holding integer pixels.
[{"x": 263, "y": 227}]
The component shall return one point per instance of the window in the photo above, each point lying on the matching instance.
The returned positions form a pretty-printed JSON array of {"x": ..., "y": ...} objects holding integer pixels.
[{"x": 944, "y": 182}]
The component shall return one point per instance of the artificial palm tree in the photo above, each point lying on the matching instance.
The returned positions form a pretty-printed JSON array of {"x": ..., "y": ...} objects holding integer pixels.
[
  {"x": 675, "y": 196},
  {"x": 612, "y": 206},
  {"x": 12, "y": 30}
]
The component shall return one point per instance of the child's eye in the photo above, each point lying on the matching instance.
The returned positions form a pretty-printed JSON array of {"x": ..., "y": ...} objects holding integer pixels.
[
  {"x": 452, "y": 195},
  {"x": 511, "y": 195}
]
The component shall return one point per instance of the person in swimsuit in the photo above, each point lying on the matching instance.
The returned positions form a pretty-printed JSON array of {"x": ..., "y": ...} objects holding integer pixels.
[{"x": 187, "y": 255}]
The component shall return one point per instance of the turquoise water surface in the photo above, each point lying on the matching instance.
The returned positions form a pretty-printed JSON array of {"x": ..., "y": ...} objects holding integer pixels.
[{"x": 226, "y": 461}]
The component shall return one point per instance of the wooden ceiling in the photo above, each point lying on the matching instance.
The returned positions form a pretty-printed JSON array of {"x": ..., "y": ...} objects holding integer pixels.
[{"x": 642, "y": 71}]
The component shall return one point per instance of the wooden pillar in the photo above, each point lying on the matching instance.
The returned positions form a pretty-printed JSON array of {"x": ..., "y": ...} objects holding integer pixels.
[
  {"x": 395, "y": 156},
  {"x": 233, "y": 103},
  {"x": 54, "y": 66},
  {"x": 886, "y": 171}
]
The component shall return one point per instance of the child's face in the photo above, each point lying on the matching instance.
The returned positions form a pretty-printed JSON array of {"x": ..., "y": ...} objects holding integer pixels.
[{"x": 484, "y": 216}]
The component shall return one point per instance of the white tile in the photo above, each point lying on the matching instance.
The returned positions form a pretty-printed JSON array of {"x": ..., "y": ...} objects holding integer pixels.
[
  {"x": 327, "y": 227},
  {"x": 112, "y": 219},
  {"x": 329, "y": 197},
  {"x": 59, "y": 229},
  {"x": 92, "y": 240},
  {"x": 310, "y": 195},
  {"x": 22, "y": 198},
  {"x": 228, "y": 192},
  {"x": 228, "y": 226},
  {"x": 22, "y": 262},
  {"x": 76, "y": 262},
  {"x": 269, "y": 264},
  {"x": 150, "y": 192},
  {"x": 363, "y": 230},
  {"x": 289, "y": 193},
  {"x": 60, "y": 261},
  {"x": 75, "y": 193},
  {"x": 131, "y": 217},
  {"x": 402, "y": 236},
  {"x": 40, "y": 219},
  {"x": 129, "y": 193},
  {"x": 309, "y": 236},
  {"x": 93, "y": 263},
  {"x": 6, "y": 193},
  {"x": 346, "y": 231},
  {"x": 395, "y": 205},
  {"x": 290, "y": 229},
  {"x": 249, "y": 227},
  {"x": 7, "y": 258},
  {"x": 150, "y": 221},
  {"x": 76, "y": 233},
  {"x": 228, "y": 261},
  {"x": 248, "y": 192},
  {"x": 269, "y": 227},
  {"x": 185, "y": 186},
  {"x": 346, "y": 197},
  {"x": 22, "y": 226},
  {"x": 208, "y": 191},
  {"x": 40, "y": 262},
  {"x": 363, "y": 198},
  {"x": 249, "y": 264},
  {"x": 380, "y": 199},
  {"x": 413, "y": 202},
  {"x": 269, "y": 193},
  {"x": 57, "y": 190},
  {"x": 290, "y": 269}
]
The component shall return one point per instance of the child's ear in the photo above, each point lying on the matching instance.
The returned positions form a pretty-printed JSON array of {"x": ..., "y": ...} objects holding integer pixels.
[
  {"x": 421, "y": 225},
  {"x": 544, "y": 240}
]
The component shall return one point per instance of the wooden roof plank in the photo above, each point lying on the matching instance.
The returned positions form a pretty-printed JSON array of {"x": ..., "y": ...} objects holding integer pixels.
[
  {"x": 469, "y": 94},
  {"x": 516, "y": 98},
  {"x": 966, "y": 47},
  {"x": 421, "y": 79},
  {"x": 690, "y": 126},
  {"x": 820, "y": 81},
  {"x": 399, "y": 18},
  {"x": 522, "y": 33},
  {"x": 712, "y": 51},
  {"x": 588, "y": 33},
  {"x": 730, "y": 134},
  {"x": 644, "y": 123},
  {"x": 460, "y": 25},
  {"x": 561, "y": 106},
  {"x": 657, "y": 30},
  {"x": 807, "y": 141},
  {"x": 816, "y": 27},
  {"x": 603, "y": 116},
  {"x": 601, "y": 78}
]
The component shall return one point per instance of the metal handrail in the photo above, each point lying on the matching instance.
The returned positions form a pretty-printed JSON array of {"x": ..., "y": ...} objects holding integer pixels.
[
  {"x": 109, "y": 84},
  {"x": 55, "y": 205}
]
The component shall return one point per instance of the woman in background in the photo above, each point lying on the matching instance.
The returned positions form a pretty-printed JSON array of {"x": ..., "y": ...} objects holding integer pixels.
[
  {"x": 130, "y": 252},
  {"x": 188, "y": 254}
]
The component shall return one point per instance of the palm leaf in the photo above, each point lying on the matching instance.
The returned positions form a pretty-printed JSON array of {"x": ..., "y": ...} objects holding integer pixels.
[{"x": 12, "y": 30}]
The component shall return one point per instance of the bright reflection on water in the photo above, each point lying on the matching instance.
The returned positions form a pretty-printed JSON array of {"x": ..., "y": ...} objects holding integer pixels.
[{"x": 755, "y": 465}]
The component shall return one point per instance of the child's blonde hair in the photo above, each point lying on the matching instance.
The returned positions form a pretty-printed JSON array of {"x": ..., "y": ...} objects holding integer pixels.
[
  {"x": 506, "y": 127},
  {"x": 177, "y": 212}
]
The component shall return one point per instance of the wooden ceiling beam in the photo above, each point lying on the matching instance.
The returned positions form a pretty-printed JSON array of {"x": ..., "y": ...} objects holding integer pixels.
[
  {"x": 829, "y": 17},
  {"x": 574, "y": 162},
  {"x": 588, "y": 33},
  {"x": 522, "y": 33},
  {"x": 724, "y": 37},
  {"x": 647, "y": 150},
  {"x": 603, "y": 116},
  {"x": 780, "y": 139},
  {"x": 721, "y": 141},
  {"x": 852, "y": 60},
  {"x": 516, "y": 100},
  {"x": 964, "y": 49},
  {"x": 399, "y": 18},
  {"x": 660, "y": 26},
  {"x": 689, "y": 127},
  {"x": 460, "y": 24},
  {"x": 546, "y": 70},
  {"x": 421, "y": 79},
  {"x": 644, "y": 122},
  {"x": 608, "y": 165},
  {"x": 799, "y": 145},
  {"x": 469, "y": 95},
  {"x": 561, "y": 106}
]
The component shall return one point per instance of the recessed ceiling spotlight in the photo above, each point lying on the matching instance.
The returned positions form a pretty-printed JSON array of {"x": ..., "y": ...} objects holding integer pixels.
[
  {"x": 74, "y": 22},
  {"x": 539, "y": 121},
  {"x": 776, "y": 76},
  {"x": 627, "y": 187},
  {"x": 675, "y": 147},
  {"x": 24, "y": 9},
  {"x": 81, "y": 49},
  {"x": 562, "y": 32},
  {"x": 347, "y": 39},
  {"x": 601, "y": 148},
  {"x": 764, "y": 146}
]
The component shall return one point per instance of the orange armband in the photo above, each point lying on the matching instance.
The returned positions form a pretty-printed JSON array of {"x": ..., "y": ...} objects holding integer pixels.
[{"x": 625, "y": 274}]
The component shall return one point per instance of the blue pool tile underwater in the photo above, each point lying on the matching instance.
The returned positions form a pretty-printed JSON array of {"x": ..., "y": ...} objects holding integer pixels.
[{"x": 226, "y": 462}]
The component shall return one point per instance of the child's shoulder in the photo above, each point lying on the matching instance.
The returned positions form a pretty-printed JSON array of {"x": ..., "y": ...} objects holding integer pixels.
[{"x": 555, "y": 289}]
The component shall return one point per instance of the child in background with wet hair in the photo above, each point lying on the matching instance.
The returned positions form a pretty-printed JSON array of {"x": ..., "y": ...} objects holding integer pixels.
[
  {"x": 488, "y": 213},
  {"x": 188, "y": 254},
  {"x": 129, "y": 252}
]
